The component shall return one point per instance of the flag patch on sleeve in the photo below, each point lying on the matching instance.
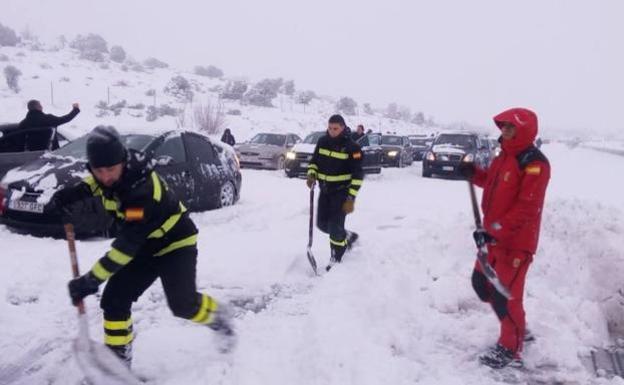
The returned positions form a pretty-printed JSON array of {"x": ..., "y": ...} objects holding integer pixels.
[
  {"x": 134, "y": 214},
  {"x": 533, "y": 170}
]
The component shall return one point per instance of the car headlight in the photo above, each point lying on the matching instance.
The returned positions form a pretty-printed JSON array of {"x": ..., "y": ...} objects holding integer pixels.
[
  {"x": 392, "y": 153},
  {"x": 468, "y": 158},
  {"x": 430, "y": 156},
  {"x": 291, "y": 155}
]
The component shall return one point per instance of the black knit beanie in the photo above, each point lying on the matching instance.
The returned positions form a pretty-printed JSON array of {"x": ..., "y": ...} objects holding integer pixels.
[{"x": 104, "y": 147}]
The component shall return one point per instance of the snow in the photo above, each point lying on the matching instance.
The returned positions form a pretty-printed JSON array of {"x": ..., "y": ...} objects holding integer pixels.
[
  {"x": 305, "y": 148},
  {"x": 399, "y": 310}
]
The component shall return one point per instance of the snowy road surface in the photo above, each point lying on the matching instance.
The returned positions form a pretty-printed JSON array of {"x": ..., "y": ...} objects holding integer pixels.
[{"x": 399, "y": 310}]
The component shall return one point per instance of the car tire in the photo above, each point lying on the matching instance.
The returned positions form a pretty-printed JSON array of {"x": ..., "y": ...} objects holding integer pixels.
[
  {"x": 280, "y": 163},
  {"x": 227, "y": 195},
  {"x": 426, "y": 173}
]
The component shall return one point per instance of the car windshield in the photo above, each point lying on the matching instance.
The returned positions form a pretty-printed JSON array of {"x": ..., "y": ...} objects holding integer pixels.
[
  {"x": 392, "y": 140},
  {"x": 78, "y": 148},
  {"x": 314, "y": 137},
  {"x": 418, "y": 142},
  {"x": 460, "y": 141},
  {"x": 374, "y": 140},
  {"x": 272, "y": 139}
]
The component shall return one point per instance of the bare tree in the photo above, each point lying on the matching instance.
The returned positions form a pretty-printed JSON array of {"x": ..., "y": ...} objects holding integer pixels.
[
  {"x": 209, "y": 117},
  {"x": 12, "y": 74}
]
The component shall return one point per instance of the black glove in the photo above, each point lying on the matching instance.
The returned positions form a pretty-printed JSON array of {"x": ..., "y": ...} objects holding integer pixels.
[
  {"x": 82, "y": 286},
  {"x": 57, "y": 208},
  {"x": 482, "y": 237},
  {"x": 467, "y": 170}
]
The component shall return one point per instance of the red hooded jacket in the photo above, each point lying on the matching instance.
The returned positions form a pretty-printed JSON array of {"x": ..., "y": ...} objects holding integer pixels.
[{"x": 515, "y": 185}]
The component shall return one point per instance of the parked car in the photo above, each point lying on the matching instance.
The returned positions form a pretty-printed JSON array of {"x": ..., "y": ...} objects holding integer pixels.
[
  {"x": 204, "y": 174},
  {"x": 298, "y": 158},
  {"x": 397, "y": 151},
  {"x": 372, "y": 153},
  {"x": 450, "y": 149},
  {"x": 266, "y": 150},
  {"x": 421, "y": 144},
  {"x": 12, "y": 146}
]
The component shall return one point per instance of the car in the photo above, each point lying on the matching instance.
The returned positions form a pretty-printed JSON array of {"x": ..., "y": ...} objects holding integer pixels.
[
  {"x": 421, "y": 144},
  {"x": 13, "y": 151},
  {"x": 266, "y": 150},
  {"x": 397, "y": 151},
  {"x": 372, "y": 153},
  {"x": 203, "y": 174},
  {"x": 450, "y": 149}
]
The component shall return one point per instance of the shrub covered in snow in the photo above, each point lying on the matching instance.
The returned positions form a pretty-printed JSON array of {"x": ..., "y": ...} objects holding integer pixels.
[
  {"x": 180, "y": 88},
  {"x": 150, "y": 92},
  {"x": 235, "y": 112},
  {"x": 234, "y": 90},
  {"x": 4, "y": 57},
  {"x": 419, "y": 118},
  {"x": 346, "y": 105},
  {"x": 152, "y": 63},
  {"x": 305, "y": 97},
  {"x": 91, "y": 47},
  {"x": 368, "y": 109},
  {"x": 209, "y": 118},
  {"x": 289, "y": 87},
  {"x": 8, "y": 37},
  {"x": 117, "y": 54},
  {"x": 209, "y": 71},
  {"x": 263, "y": 92},
  {"x": 12, "y": 74},
  {"x": 153, "y": 113}
]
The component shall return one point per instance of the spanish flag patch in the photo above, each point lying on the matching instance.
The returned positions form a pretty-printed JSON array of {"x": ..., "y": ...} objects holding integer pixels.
[
  {"x": 533, "y": 170},
  {"x": 357, "y": 155},
  {"x": 134, "y": 214}
]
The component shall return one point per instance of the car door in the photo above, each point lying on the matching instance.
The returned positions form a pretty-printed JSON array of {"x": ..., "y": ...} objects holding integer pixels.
[
  {"x": 172, "y": 165},
  {"x": 12, "y": 150},
  {"x": 407, "y": 151},
  {"x": 207, "y": 169}
]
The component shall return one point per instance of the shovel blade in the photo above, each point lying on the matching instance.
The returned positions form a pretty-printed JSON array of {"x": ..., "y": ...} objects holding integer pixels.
[{"x": 312, "y": 260}]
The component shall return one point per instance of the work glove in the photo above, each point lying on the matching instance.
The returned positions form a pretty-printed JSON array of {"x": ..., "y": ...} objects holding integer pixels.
[
  {"x": 348, "y": 206},
  {"x": 82, "y": 286},
  {"x": 467, "y": 170},
  {"x": 482, "y": 237},
  {"x": 311, "y": 181}
]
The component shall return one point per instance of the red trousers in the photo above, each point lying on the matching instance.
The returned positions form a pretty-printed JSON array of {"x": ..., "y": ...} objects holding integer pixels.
[{"x": 511, "y": 267}]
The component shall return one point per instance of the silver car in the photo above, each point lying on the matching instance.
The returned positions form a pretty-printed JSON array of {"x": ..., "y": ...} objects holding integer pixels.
[{"x": 266, "y": 150}]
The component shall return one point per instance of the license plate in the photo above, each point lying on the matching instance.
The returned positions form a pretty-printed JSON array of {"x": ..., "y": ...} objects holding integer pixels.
[
  {"x": 31, "y": 207},
  {"x": 448, "y": 168},
  {"x": 304, "y": 164}
]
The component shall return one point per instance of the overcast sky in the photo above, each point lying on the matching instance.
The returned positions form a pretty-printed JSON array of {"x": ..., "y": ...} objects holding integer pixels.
[{"x": 453, "y": 59}]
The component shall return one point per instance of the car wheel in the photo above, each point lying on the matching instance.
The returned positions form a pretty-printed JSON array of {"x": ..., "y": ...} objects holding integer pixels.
[
  {"x": 280, "y": 163},
  {"x": 227, "y": 195},
  {"x": 426, "y": 173}
]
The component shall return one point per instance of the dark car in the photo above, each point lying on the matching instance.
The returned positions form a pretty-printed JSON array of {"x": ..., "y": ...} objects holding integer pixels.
[
  {"x": 450, "y": 149},
  {"x": 420, "y": 144},
  {"x": 204, "y": 175},
  {"x": 266, "y": 150},
  {"x": 13, "y": 151},
  {"x": 397, "y": 151},
  {"x": 372, "y": 153}
]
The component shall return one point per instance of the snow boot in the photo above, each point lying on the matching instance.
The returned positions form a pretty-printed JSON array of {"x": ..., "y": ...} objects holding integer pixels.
[
  {"x": 499, "y": 357},
  {"x": 222, "y": 325},
  {"x": 352, "y": 237},
  {"x": 528, "y": 336},
  {"x": 123, "y": 352}
]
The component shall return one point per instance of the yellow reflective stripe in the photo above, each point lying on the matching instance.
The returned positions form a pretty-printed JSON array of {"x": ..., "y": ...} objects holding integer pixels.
[
  {"x": 313, "y": 166},
  {"x": 118, "y": 257},
  {"x": 168, "y": 224},
  {"x": 118, "y": 325},
  {"x": 311, "y": 172},
  {"x": 157, "y": 187},
  {"x": 338, "y": 243},
  {"x": 189, "y": 241},
  {"x": 206, "y": 310},
  {"x": 353, "y": 192},
  {"x": 334, "y": 154},
  {"x": 100, "y": 272},
  {"x": 118, "y": 340},
  {"x": 356, "y": 182},
  {"x": 334, "y": 178},
  {"x": 90, "y": 180}
]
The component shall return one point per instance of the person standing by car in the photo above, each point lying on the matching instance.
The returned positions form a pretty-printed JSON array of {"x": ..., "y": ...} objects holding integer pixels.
[
  {"x": 514, "y": 188},
  {"x": 228, "y": 138},
  {"x": 337, "y": 164},
  {"x": 358, "y": 135},
  {"x": 35, "y": 118},
  {"x": 156, "y": 238}
]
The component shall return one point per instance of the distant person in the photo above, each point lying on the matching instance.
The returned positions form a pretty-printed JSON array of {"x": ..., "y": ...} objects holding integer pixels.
[
  {"x": 369, "y": 131},
  {"x": 228, "y": 138},
  {"x": 358, "y": 133},
  {"x": 39, "y": 140}
]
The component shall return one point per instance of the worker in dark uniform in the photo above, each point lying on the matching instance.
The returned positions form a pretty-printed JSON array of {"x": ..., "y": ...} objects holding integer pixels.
[
  {"x": 156, "y": 239},
  {"x": 337, "y": 165},
  {"x": 45, "y": 138}
]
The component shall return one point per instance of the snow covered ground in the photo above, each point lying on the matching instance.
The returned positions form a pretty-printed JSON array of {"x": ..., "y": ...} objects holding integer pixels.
[{"x": 399, "y": 310}]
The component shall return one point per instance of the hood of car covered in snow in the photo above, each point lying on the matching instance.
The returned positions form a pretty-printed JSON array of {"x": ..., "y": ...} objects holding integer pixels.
[
  {"x": 304, "y": 148},
  {"x": 448, "y": 149},
  {"x": 262, "y": 149}
]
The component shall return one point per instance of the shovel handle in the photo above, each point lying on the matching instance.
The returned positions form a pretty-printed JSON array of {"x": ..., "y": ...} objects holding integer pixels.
[{"x": 73, "y": 257}]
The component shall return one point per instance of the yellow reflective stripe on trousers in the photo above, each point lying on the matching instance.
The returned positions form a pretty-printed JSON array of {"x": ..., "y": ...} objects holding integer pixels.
[
  {"x": 334, "y": 154},
  {"x": 118, "y": 325},
  {"x": 118, "y": 257},
  {"x": 356, "y": 182},
  {"x": 312, "y": 167},
  {"x": 206, "y": 310},
  {"x": 157, "y": 187},
  {"x": 100, "y": 272},
  {"x": 353, "y": 192},
  {"x": 117, "y": 340},
  {"x": 189, "y": 241},
  {"x": 168, "y": 224},
  {"x": 334, "y": 178},
  {"x": 338, "y": 243},
  {"x": 311, "y": 172}
]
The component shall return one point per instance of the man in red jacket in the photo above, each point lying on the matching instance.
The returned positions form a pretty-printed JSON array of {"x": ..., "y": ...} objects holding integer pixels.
[{"x": 513, "y": 197}]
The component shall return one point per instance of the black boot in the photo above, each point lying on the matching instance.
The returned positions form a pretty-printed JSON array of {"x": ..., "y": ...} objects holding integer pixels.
[
  {"x": 123, "y": 352},
  {"x": 499, "y": 357},
  {"x": 352, "y": 237},
  {"x": 528, "y": 336},
  {"x": 222, "y": 324}
]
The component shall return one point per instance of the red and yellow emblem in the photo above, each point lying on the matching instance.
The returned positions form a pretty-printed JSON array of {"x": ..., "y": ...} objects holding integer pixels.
[
  {"x": 533, "y": 170},
  {"x": 134, "y": 214}
]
